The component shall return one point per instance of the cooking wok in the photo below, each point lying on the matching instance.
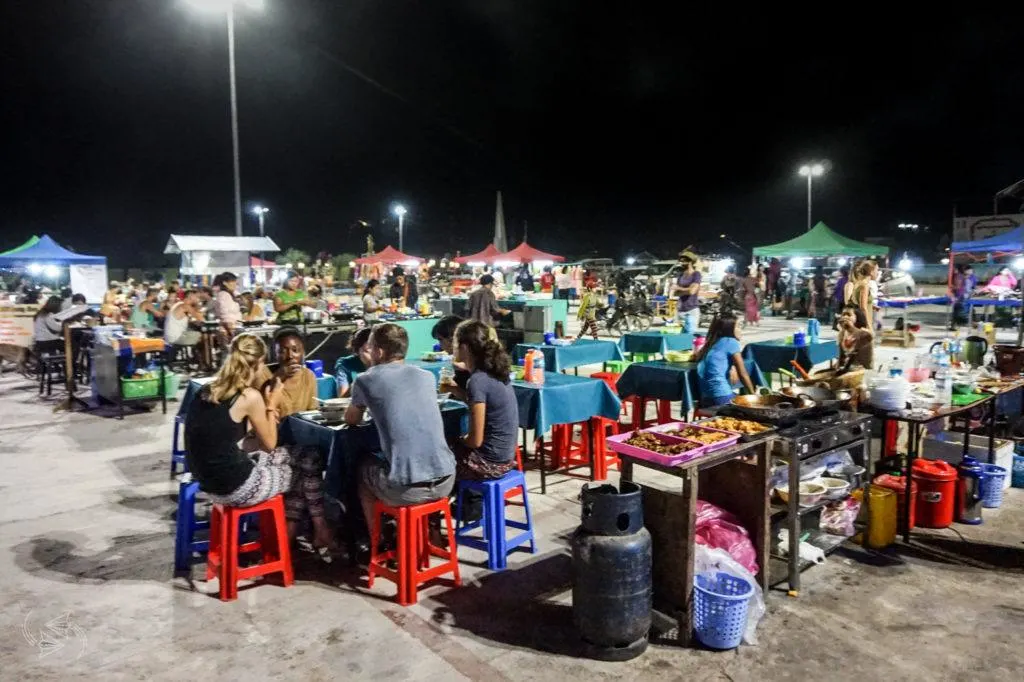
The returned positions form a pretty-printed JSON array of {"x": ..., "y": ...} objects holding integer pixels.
[
  {"x": 823, "y": 396},
  {"x": 773, "y": 408}
]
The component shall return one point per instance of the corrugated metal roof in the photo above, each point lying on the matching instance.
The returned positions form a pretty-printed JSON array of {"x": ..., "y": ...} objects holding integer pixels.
[{"x": 186, "y": 242}]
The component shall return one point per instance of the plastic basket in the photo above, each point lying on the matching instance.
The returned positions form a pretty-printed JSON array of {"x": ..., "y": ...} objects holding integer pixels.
[
  {"x": 1018, "y": 472},
  {"x": 720, "y": 604},
  {"x": 135, "y": 389},
  {"x": 992, "y": 486},
  {"x": 172, "y": 382}
]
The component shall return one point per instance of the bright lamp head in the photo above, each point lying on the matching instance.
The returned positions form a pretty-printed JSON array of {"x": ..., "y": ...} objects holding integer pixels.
[{"x": 399, "y": 210}]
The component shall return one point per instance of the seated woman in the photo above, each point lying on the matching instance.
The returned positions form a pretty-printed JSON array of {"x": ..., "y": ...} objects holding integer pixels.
[
  {"x": 718, "y": 360},
  {"x": 1002, "y": 284},
  {"x": 856, "y": 351},
  {"x": 489, "y": 449},
  {"x": 415, "y": 464},
  {"x": 444, "y": 333},
  {"x": 298, "y": 393},
  {"x": 48, "y": 333},
  {"x": 348, "y": 367},
  {"x": 217, "y": 420}
]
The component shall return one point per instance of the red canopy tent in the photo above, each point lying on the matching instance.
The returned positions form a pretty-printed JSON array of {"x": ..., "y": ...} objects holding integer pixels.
[
  {"x": 255, "y": 262},
  {"x": 488, "y": 256},
  {"x": 388, "y": 256},
  {"x": 524, "y": 253}
]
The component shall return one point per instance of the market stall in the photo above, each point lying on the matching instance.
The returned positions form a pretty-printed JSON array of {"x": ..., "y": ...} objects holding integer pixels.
[
  {"x": 43, "y": 257},
  {"x": 821, "y": 241},
  {"x": 128, "y": 369},
  {"x": 204, "y": 257},
  {"x": 1001, "y": 245},
  {"x": 489, "y": 256}
]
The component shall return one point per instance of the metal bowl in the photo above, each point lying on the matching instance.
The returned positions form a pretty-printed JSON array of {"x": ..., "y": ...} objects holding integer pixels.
[
  {"x": 773, "y": 408},
  {"x": 823, "y": 396}
]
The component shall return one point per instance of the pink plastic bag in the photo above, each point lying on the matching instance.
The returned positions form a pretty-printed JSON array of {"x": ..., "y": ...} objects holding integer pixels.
[{"x": 717, "y": 528}]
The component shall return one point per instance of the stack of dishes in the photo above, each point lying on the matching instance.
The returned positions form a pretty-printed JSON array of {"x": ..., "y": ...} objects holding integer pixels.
[{"x": 333, "y": 409}]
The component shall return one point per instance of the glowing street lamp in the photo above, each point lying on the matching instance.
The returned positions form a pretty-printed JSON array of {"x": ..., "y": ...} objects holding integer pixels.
[
  {"x": 811, "y": 171},
  {"x": 400, "y": 211},
  {"x": 228, "y": 8}
]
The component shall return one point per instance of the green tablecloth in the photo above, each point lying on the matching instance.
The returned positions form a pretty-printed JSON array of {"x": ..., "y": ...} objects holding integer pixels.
[
  {"x": 654, "y": 342},
  {"x": 582, "y": 352},
  {"x": 563, "y": 399}
]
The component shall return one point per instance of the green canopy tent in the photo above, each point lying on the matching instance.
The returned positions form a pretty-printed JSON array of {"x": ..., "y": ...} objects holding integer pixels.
[
  {"x": 819, "y": 242},
  {"x": 32, "y": 241}
]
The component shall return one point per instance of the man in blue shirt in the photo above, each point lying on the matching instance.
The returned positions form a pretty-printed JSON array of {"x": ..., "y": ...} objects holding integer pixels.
[{"x": 687, "y": 288}]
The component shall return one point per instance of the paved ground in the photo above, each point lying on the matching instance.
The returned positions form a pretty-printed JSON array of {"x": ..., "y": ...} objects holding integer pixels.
[{"x": 86, "y": 531}]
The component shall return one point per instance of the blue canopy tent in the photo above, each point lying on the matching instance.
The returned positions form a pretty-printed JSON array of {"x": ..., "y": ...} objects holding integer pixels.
[
  {"x": 997, "y": 245},
  {"x": 88, "y": 274}
]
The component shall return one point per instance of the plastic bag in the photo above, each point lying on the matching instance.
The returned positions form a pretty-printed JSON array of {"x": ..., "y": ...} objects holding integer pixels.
[
  {"x": 838, "y": 517},
  {"x": 717, "y": 528},
  {"x": 711, "y": 559}
]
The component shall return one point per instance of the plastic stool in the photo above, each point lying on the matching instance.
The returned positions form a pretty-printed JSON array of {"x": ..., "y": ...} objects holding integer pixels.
[
  {"x": 414, "y": 548},
  {"x": 493, "y": 522},
  {"x": 185, "y": 544},
  {"x": 603, "y": 458},
  {"x": 640, "y": 419},
  {"x": 178, "y": 456},
  {"x": 615, "y": 366},
  {"x": 642, "y": 357},
  {"x": 562, "y": 447},
  {"x": 222, "y": 559},
  {"x": 516, "y": 492}
]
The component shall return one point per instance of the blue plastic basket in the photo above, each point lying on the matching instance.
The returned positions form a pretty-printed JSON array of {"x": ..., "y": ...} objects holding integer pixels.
[
  {"x": 992, "y": 486},
  {"x": 1018, "y": 472},
  {"x": 720, "y": 604}
]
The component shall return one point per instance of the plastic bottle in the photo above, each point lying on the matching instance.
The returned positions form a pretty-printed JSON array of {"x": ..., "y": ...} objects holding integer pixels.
[
  {"x": 535, "y": 367},
  {"x": 943, "y": 382},
  {"x": 895, "y": 368}
]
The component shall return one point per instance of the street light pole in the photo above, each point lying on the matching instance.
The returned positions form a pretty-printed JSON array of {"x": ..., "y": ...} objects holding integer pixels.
[
  {"x": 811, "y": 172},
  {"x": 261, "y": 212},
  {"x": 234, "y": 123},
  {"x": 400, "y": 211}
]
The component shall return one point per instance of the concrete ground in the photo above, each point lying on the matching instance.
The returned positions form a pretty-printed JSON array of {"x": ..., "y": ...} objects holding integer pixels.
[{"x": 86, "y": 537}]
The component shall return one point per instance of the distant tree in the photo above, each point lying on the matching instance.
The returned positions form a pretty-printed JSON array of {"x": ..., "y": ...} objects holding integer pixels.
[
  {"x": 342, "y": 269},
  {"x": 295, "y": 256}
]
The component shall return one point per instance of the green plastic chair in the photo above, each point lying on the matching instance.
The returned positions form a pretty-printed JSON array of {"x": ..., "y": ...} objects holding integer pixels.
[{"x": 616, "y": 366}]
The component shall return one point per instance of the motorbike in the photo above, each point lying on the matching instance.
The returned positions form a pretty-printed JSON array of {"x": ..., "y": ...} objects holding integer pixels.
[{"x": 632, "y": 312}]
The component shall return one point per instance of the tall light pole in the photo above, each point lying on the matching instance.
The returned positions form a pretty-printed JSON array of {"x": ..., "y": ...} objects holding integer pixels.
[
  {"x": 400, "y": 211},
  {"x": 811, "y": 171},
  {"x": 228, "y": 7}
]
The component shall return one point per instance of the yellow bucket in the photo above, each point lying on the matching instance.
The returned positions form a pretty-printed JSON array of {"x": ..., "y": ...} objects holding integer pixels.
[{"x": 881, "y": 516}]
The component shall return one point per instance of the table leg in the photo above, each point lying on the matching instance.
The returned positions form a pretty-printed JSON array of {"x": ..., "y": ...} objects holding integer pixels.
[
  {"x": 163, "y": 382},
  {"x": 992, "y": 431},
  {"x": 908, "y": 498},
  {"x": 793, "y": 524},
  {"x": 967, "y": 433},
  {"x": 625, "y": 470},
  {"x": 592, "y": 444}
]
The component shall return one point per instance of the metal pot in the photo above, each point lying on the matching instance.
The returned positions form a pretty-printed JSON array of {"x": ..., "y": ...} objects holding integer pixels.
[
  {"x": 773, "y": 408},
  {"x": 822, "y": 395},
  {"x": 314, "y": 316},
  {"x": 1009, "y": 359}
]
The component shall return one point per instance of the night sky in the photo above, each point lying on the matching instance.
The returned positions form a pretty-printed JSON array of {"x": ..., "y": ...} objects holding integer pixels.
[{"x": 608, "y": 127}]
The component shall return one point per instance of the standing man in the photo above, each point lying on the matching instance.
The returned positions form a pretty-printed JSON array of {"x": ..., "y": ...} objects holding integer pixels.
[
  {"x": 687, "y": 288},
  {"x": 483, "y": 304}
]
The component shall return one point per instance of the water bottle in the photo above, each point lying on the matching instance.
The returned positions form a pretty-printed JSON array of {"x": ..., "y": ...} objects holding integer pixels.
[
  {"x": 943, "y": 382},
  {"x": 813, "y": 330},
  {"x": 895, "y": 369},
  {"x": 446, "y": 376}
]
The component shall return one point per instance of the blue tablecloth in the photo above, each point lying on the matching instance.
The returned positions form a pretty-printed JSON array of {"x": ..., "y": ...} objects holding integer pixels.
[
  {"x": 432, "y": 367},
  {"x": 582, "y": 352},
  {"x": 771, "y": 356},
  {"x": 672, "y": 381},
  {"x": 342, "y": 445},
  {"x": 326, "y": 387},
  {"x": 654, "y": 342},
  {"x": 1005, "y": 303},
  {"x": 563, "y": 399},
  {"x": 907, "y": 302}
]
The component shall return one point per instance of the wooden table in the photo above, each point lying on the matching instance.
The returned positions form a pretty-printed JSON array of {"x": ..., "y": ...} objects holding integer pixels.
[{"x": 735, "y": 479}]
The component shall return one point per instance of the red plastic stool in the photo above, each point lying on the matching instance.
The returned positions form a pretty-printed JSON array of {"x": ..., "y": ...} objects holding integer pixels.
[
  {"x": 414, "y": 549},
  {"x": 516, "y": 492},
  {"x": 562, "y": 448},
  {"x": 612, "y": 379},
  {"x": 222, "y": 558},
  {"x": 603, "y": 458},
  {"x": 640, "y": 419}
]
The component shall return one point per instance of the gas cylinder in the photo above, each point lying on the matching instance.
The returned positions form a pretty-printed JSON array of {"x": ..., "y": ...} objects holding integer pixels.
[
  {"x": 611, "y": 572},
  {"x": 968, "y": 491}
]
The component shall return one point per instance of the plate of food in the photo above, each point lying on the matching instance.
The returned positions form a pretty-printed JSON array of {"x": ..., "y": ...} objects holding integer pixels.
[
  {"x": 747, "y": 428},
  {"x": 434, "y": 356},
  {"x": 713, "y": 439},
  {"x": 656, "y": 447}
]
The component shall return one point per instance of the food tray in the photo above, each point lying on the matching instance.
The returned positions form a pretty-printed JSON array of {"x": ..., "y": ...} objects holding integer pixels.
[
  {"x": 746, "y": 437},
  {"x": 619, "y": 445},
  {"x": 713, "y": 447}
]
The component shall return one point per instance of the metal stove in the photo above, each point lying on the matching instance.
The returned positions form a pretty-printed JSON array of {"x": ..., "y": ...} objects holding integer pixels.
[{"x": 823, "y": 432}]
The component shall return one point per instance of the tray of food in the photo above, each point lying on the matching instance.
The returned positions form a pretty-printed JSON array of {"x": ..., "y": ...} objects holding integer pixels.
[
  {"x": 748, "y": 429},
  {"x": 714, "y": 439},
  {"x": 656, "y": 447}
]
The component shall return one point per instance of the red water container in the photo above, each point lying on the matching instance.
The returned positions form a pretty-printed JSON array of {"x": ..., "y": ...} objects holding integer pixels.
[
  {"x": 936, "y": 493},
  {"x": 899, "y": 484}
]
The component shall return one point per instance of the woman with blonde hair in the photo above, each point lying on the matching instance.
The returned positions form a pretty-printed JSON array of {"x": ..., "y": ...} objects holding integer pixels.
[{"x": 219, "y": 417}]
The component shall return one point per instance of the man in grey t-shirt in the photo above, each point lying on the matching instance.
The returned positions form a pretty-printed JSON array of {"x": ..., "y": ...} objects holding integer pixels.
[{"x": 418, "y": 465}]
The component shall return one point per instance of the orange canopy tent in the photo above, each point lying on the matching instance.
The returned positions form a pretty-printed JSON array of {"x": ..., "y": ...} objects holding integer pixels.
[
  {"x": 488, "y": 256},
  {"x": 389, "y": 256},
  {"x": 524, "y": 253}
]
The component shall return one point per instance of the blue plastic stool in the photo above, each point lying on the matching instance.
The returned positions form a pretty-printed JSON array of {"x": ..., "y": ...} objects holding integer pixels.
[
  {"x": 185, "y": 544},
  {"x": 178, "y": 456},
  {"x": 493, "y": 522}
]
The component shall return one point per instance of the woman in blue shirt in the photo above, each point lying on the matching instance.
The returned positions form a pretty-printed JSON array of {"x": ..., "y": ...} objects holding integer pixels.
[
  {"x": 717, "y": 359},
  {"x": 347, "y": 368}
]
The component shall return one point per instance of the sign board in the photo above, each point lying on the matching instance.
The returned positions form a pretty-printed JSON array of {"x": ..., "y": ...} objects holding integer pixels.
[
  {"x": 16, "y": 325},
  {"x": 90, "y": 281}
]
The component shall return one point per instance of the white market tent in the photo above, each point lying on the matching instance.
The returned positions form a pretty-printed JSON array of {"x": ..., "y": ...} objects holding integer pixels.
[{"x": 203, "y": 256}]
